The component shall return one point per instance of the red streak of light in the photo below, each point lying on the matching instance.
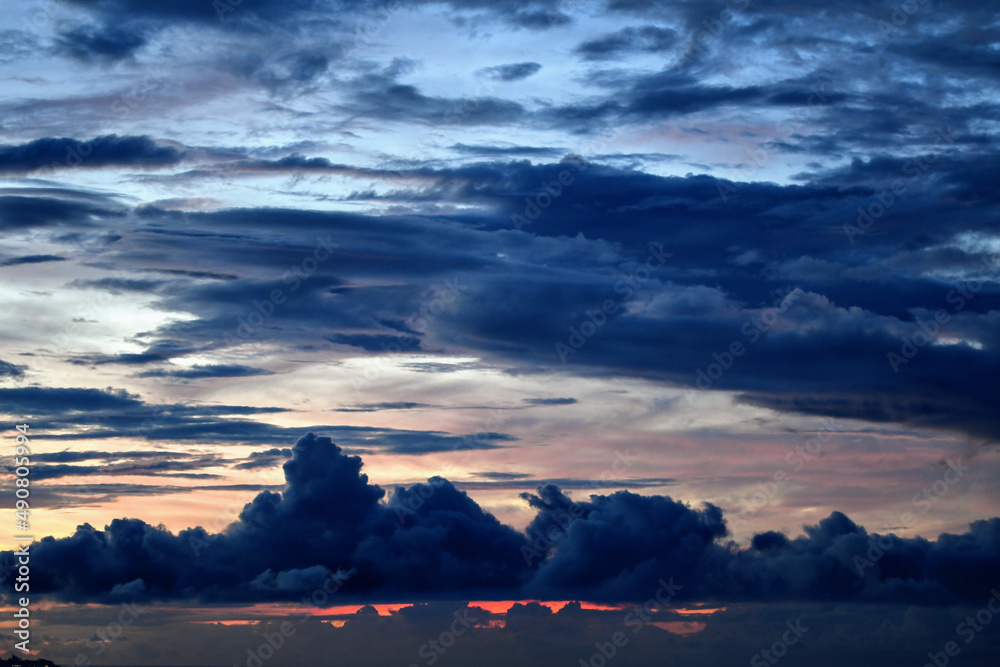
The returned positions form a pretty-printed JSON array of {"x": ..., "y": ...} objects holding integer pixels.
[
  {"x": 227, "y": 622},
  {"x": 683, "y": 628},
  {"x": 688, "y": 612}
]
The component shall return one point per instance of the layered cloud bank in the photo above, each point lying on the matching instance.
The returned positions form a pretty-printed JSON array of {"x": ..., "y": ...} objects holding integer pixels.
[
  {"x": 431, "y": 541},
  {"x": 836, "y": 297}
]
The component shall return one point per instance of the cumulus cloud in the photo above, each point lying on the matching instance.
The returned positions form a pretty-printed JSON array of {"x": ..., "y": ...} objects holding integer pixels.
[{"x": 431, "y": 540}]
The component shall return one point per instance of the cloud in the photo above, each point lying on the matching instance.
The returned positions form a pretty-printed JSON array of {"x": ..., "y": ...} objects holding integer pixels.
[
  {"x": 516, "y": 315},
  {"x": 512, "y": 71},
  {"x": 266, "y": 459},
  {"x": 284, "y": 73},
  {"x": 52, "y": 153},
  {"x": 515, "y": 481},
  {"x": 9, "y": 370},
  {"x": 616, "y": 546},
  {"x": 26, "y": 210},
  {"x": 375, "y": 343},
  {"x": 93, "y": 494},
  {"x": 37, "y": 401},
  {"x": 432, "y": 541},
  {"x": 190, "y": 10},
  {"x": 94, "y": 414},
  {"x": 17, "y": 44},
  {"x": 504, "y": 476},
  {"x": 326, "y": 497},
  {"x": 199, "y": 371},
  {"x": 32, "y": 259},
  {"x": 522, "y": 292},
  {"x": 628, "y": 41},
  {"x": 512, "y": 151},
  {"x": 197, "y": 224},
  {"x": 550, "y": 401},
  {"x": 159, "y": 469},
  {"x": 389, "y": 405},
  {"x": 539, "y": 19},
  {"x": 87, "y": 455},
  {"x": 90, "y": 43}
]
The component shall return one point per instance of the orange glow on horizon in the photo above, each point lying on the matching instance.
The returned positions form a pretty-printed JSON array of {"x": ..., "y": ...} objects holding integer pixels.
[
  {"x": 683, "y": 628},
  {"x": 689, "y": 612}
]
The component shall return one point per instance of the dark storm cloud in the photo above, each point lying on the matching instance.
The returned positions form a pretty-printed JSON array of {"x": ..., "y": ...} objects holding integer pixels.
[
  {"x": 723, "y": 81},
  {"x": 178, "y": 427},
  {"x": 712, "y": 207},
  {"x": 32, "y": 259},
  {"x": 375, "y": 343},
  {"x": 503, "y": 476},
  {"x": 433, "y": 367},
  {"x": 381, "y": 95},
  {"x": 396, "y": 101},
  {"x": 290, "y": 163},
  {"x": 38, "y": 401},
  {"x": 736, "y": 250},
  {"x": 103, "y": 151},
  {"x": 705, "y": 294},
  {"x": 119, "y": 285},
  {"x": 512, "y": 71},
  {"x": 211, "y": 275},
  {"x": 851, "y": 44},
  {"x": 511, "y": 151},
  {"x": 9, "y": 370},
  {"x": 978, "y": 59},
  {"x": 550, "y": 401},
  {"x": 431, "y": 540},
  {"x": 326, "y": 497},
  {"x": 538, "y": 19},
  {"x": 25, "y": 211},
  {"x": 241, "y": 15},
  {"x": 640, "y": 99},
  {"x": 77, "y": 456},
  {"x": 95, "y": 414},
  {"x": 199, "y": 371},
  {"x": 788, "y": 369},
  {"x": 90, "y": 43},
  {"x": 117, "y": 413},
  {"x": 90, "y": 494},
  {"x": 268, "y": 458},
  {"x": 286, "y": 72},
  {"x": 179, "y": 469},
  {"x": 194, "y": 10},
  {"x": 649, "y": 39},
  {"x": 160, "y": 351},
  {"x": 135, "y": 358}
]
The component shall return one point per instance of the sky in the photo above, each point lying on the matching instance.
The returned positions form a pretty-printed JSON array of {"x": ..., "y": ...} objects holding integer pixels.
[{"x": 409, "y": 332}]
